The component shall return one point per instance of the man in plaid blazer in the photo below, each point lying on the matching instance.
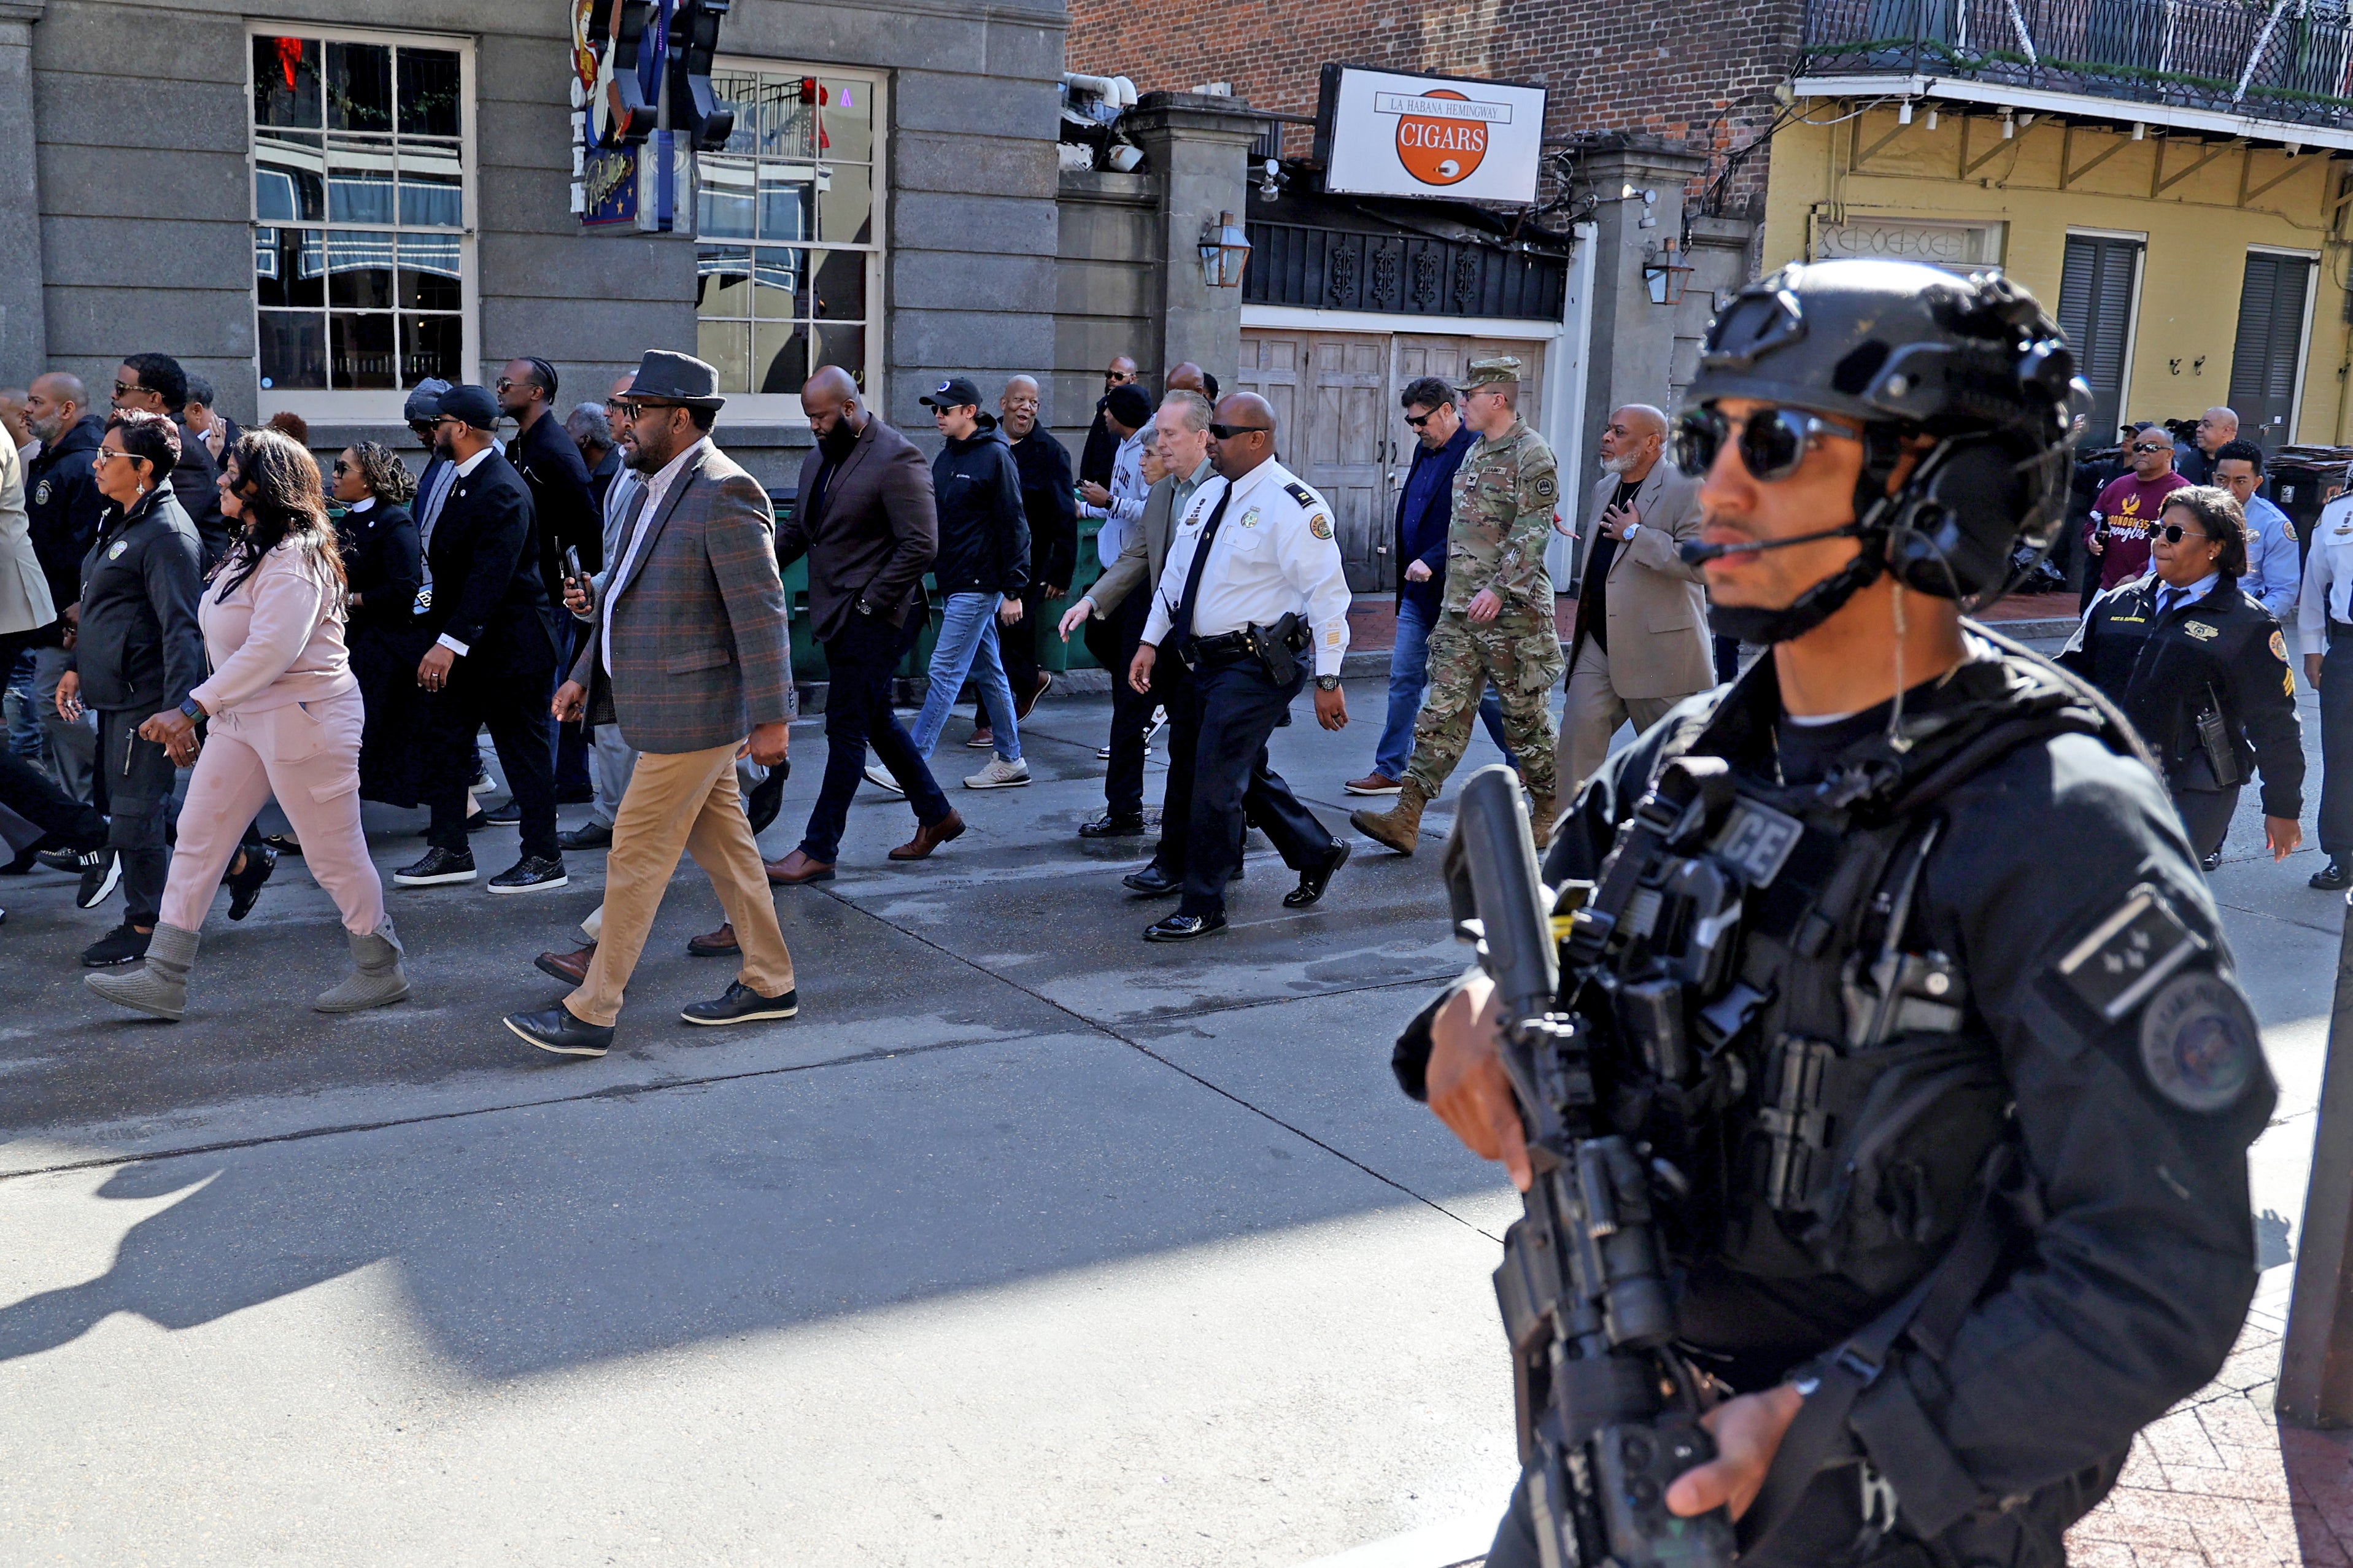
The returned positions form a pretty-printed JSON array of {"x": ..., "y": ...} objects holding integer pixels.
[{"x": 688, "y": 654}]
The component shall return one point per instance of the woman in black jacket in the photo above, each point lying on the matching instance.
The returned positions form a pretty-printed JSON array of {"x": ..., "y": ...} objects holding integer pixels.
[
  {"x": 385, "y": 563},
  {"x": 2203, "y": 671}
]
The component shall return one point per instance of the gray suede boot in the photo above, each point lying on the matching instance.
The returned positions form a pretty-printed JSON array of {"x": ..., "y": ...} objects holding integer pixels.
[
  {"x": 161, "y": 987},
  {"x": 376, "y": 979}
]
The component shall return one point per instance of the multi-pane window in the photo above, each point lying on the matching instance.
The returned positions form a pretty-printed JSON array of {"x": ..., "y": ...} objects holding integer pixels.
[
  {"x": 359, "y": 210},
  {"x": 788, "y": 270}
]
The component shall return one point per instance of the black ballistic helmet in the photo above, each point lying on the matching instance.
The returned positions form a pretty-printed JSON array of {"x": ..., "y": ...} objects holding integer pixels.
[{"x": 1907, "y": 351}]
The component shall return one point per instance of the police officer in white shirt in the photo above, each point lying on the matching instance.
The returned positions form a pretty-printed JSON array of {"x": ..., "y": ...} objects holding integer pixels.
[
  {"x": 1252, "y": 583},
  {"x": 2324, "y": 620}
]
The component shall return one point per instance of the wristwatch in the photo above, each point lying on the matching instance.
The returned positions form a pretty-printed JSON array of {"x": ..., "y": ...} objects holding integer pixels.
[
  {"x": 1327, "y": 683},
  {"x": 864, "y": 609},
  {"x": 193, "y": 710}
]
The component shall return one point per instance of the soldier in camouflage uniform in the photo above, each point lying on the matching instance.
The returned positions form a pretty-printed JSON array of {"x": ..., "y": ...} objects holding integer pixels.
[{"x": 1496, "y": 622}]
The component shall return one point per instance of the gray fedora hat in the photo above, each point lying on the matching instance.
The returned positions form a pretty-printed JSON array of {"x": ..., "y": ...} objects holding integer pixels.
[{"x": 665, "y": 375}]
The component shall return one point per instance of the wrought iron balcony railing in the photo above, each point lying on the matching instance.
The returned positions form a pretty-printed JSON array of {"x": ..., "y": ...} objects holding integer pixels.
[{"x": 2283, "y": 60}]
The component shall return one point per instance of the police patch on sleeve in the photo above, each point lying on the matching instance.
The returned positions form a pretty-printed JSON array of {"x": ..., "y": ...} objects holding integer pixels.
[
  {"x": 2198, "y": 1042},
  {"x": 1320, "y": 526},
  {"x": 2279, "y": 647}
]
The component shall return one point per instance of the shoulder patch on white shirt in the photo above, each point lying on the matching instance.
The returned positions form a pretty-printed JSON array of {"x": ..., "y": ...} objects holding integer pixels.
[{"x": 1299, "y": 493}]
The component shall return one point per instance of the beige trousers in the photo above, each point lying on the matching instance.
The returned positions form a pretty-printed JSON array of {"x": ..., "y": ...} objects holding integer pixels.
[
  {"x": 682, "y": 801},
  {"x": 1593, "y": 712}
]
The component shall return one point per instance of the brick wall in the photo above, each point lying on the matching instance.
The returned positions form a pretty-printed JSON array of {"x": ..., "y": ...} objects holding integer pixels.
[{"x": 1697, "y": 71}]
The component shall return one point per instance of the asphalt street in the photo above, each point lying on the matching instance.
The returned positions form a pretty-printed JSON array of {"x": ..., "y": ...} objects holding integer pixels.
[{"x": 1027, "y": 1243}]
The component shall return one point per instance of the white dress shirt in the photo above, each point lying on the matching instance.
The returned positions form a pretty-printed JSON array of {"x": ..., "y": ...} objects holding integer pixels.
[
  {"x": 656, "y": 488},
  {"x": 1274, "y": 556},
  {"x": 457, "y": 471},
  {"x": 1128, "y": 494},
  {"x": 2327, "y": 575}
]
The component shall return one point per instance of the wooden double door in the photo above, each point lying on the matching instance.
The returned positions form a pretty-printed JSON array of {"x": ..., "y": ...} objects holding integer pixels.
[{"x": 1334, "y": 396}]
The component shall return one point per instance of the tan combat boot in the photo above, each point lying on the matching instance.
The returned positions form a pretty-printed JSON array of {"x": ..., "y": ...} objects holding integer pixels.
[
  {"x": 1399, "y": 828},
  {"x": 1544, "y": 814}
]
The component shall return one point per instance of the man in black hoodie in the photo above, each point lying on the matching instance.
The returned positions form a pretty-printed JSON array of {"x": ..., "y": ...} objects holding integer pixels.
[
  {"x": 1050, "y": 504},
  {"x": 982, "y": 567},
  {"x": 63, "y": 507}
]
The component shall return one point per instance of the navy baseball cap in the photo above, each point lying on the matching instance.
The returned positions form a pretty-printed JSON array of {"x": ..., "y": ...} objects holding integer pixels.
[
  {"x": 472, "y": 403},
  {"x": 956, "y": 392}
]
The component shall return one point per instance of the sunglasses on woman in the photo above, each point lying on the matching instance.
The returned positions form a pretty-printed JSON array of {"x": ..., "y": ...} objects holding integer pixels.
[
  {"x": 2174, "y": 534},
  {"x": 341, "y": 467},
  {"x": 1772, "y": 441}
]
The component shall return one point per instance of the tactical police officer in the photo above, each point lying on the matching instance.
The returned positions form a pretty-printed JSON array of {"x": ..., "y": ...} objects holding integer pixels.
[
  {"x": 1254, "y": 581},
  {"x": 1894, "y": 961},
  {"x": 2201, "y": 670},
  {"x": 2324, "y": 621},
  {"x": 1496, "y": 622}
]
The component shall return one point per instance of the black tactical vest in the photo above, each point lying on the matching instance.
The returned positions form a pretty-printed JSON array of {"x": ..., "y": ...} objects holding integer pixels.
[{"x": 1785, "y": 1036}]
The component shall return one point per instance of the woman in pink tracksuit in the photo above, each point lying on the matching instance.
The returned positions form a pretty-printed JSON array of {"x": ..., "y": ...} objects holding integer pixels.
[{"x": 282, "y": 717}]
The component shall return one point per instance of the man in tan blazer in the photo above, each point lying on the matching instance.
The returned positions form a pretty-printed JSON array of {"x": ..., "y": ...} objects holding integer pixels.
[
  {"x": 1641, "y": 640},
  {"x": 1183, "y": 428}
]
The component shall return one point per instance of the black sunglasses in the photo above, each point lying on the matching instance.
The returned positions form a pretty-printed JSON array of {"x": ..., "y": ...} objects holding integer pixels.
[
  {"x": 1419, "y": 420},
  {"x": 341, "y": 467},
  {"x": 2151, "y": 446},
  {"x": 1773, "y": 441},
  {"x": 2173, "y": 534},
  {"x": 1227, "y": 432}
]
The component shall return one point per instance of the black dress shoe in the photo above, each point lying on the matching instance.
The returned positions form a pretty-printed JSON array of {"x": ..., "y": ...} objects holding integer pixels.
[
  {"x": 558, "y": 1031},
  {"x": 2332, "y": 875},
  {"x": 438, "y": 866},
  {"x": 742, "y": 1004},
  {"x": 1110, "y": 827},
  {"x": 101, "y": 870},
  {"x": 589, "y": 836},
  {"x": 506, "y": 816},
  {"x": 2212, "y": 862},
  {"x": 1154, "y": 881},
  {"x": 767, "y": 798},
  {"x": 244, "y": 882},
  {"x": 1183, "y": 927},
  {"x": 532, "y": 873},
  {"x": 573, "y": 794},
  {"x": 22, "y": 865},
  {"x": 1313, "y": 883}
]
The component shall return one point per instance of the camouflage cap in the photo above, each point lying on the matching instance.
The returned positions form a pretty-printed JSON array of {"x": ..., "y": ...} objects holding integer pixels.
[{"x": 1503, "y": 368}]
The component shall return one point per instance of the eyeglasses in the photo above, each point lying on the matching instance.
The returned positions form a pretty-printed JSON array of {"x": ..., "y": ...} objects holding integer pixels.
[
  {"x": 2146, "y": 447},
  {"x": 1773, "y": 441},
  {"x": 341, "y": 467},
  {"x": 107, "y": 455},
  {"x": 2174, "y": 534},
  {"x": 1227, "y": 432},
  {"x": 125, "y": 388}
]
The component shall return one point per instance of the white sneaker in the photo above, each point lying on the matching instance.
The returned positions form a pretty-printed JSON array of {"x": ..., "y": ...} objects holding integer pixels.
[
  {"x": 999, "y": 774},
  {"x": 880, "y": 777},
  {"x": 1102, "y": 753}
]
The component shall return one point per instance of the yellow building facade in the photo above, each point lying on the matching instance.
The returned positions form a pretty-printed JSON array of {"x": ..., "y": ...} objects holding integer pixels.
[{"x": 2179, "y": 255}]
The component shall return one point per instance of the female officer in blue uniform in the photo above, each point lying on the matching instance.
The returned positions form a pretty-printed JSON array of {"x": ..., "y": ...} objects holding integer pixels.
[{"x": 2201, "y": 670}]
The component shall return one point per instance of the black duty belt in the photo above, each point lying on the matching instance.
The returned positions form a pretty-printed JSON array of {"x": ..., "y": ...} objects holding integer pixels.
[
  {"x": 2338, "y": 628},
  {"x": 1224, "y": 647}
]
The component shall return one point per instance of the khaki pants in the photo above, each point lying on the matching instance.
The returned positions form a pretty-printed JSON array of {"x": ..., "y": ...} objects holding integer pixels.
[
  {"x": 1594, "y": 711},
  {"x": 681, "y": 800}
]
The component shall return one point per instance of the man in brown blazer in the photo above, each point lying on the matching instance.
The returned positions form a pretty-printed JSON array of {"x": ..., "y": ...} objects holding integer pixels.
[
  {"x": 687, "y": 653},
  {"x": 1182, "y": 427},
  {"x": 1641, "y": 640},
  {"x": 866, "y": 520}
]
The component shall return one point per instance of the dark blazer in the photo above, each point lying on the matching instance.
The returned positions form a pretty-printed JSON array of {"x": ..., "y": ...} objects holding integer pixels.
[
  {"x": 872, "y": 534},
  {"x": 383, "y": 566},
  {"x": 600, "y": 484},
  {"x": 1144, "y": 553},
  {"x": 196, "y": 482},
  {"x": 1425, "y": 541},
  {"x": 139, "y": 648},
  {"x": 567, "y": 514},
  {"x": 701, "y": 653},
  {"x": 2221, "y": 652},
  {"x": 487, "y": 593}
]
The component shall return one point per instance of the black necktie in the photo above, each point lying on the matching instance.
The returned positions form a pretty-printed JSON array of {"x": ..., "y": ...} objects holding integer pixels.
[{"x": 1180, "y": 623}]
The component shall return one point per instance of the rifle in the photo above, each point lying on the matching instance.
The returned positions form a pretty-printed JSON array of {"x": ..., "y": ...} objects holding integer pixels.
[{"x": 1608, "y": 1413}]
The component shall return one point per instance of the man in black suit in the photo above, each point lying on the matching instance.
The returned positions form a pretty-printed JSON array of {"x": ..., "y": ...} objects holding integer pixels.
[
  {"x": 566, "y": 513},
  {"x": 493, "y": 656},
  {"x": 867, "y": 522},
  {"x": 154, "y": 383}
]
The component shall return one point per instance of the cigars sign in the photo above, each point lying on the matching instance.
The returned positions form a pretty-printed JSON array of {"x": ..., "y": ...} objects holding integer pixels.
[{"x": 1385, "y": 133}]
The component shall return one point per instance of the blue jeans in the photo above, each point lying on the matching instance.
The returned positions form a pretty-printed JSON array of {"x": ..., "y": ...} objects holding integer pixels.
[
  {"x": 1408, "y": 679},
  {"x": 967, "y": 645}
]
